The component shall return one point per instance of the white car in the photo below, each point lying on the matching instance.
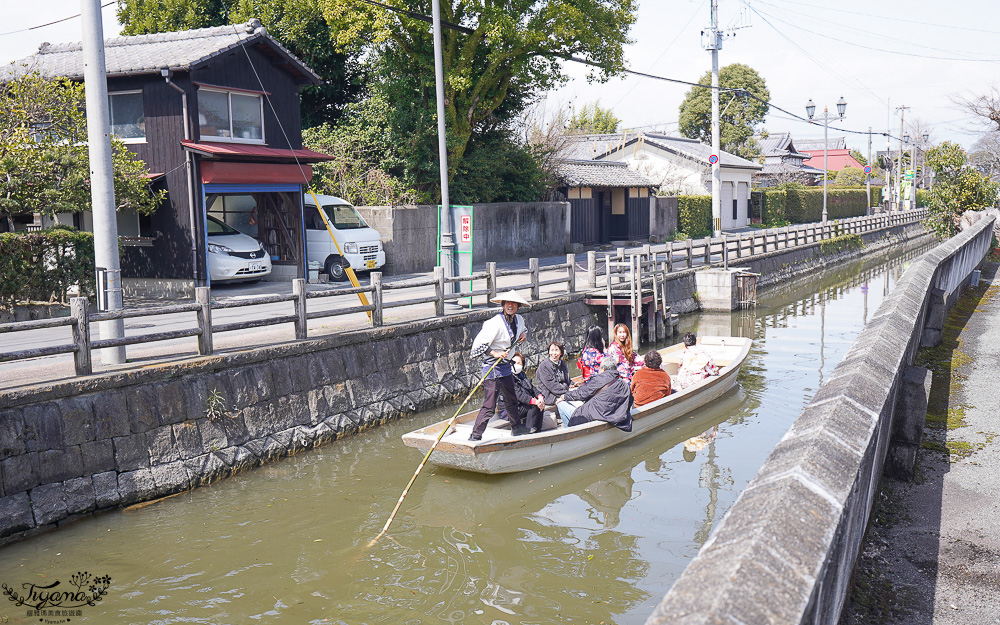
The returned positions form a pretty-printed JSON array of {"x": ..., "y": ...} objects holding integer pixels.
[
  {"x": 360, "y": 245},
  {"x": 233, "y": 255}
]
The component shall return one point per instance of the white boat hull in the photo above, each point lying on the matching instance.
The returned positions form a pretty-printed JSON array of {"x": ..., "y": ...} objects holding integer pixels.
[{"x": 499, "y": 452}]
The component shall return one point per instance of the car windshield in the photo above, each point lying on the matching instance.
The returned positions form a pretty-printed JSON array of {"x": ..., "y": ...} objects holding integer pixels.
[
  {"x": 344, "y": 217},
  {"x": 216, "y": 227}
]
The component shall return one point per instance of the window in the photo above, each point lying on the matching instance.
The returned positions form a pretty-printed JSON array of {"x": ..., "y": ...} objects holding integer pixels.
[
  {"x": 237, "y": 211},
  {"x": 128, "y": 122},
  {"x": 230, "y": 116}
]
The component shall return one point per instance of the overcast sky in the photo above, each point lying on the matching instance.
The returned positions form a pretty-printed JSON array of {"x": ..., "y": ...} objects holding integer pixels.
[{"x": 921, "y": 54}]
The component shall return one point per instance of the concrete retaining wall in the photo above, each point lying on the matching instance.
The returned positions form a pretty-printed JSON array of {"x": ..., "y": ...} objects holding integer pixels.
[
  {"x": 501, "y": 232},
  {"x": 662, "y": 218},
  {"x": 786, "y": 550},
  {"x": 71, "y": 448}
]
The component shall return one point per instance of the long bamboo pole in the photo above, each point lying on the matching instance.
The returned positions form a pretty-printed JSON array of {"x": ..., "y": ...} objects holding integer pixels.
[{"x": 444, "y": 431}]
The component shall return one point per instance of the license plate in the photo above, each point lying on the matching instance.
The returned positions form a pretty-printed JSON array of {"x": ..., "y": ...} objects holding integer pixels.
[
  {"x": 256, "y": 266},
  {"x": 370, "y": 264}
]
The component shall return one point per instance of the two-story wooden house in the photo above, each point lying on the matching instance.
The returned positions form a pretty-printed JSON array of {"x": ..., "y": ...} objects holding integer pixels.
[{"x": 214, "y": 113}]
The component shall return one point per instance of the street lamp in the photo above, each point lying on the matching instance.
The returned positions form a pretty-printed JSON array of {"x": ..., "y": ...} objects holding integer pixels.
[{"x": 811, "y": 110}]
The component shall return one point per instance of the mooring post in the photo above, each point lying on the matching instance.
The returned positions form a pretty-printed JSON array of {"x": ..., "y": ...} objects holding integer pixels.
[
  {"x": 491, "y": 281},
  {"x": 611, "y": 301},
  {"x": 299, "y": 290},
  {"x": 376, "y": 281},
  {"x": 81, "y": 336},
  {"x": 439, "y": 291},
  {"x": 203, "y": 295},
  {"x": 591, "y": 269},
  {"x": 571, "y": 272},
  {"x": 535, "y": 290}
]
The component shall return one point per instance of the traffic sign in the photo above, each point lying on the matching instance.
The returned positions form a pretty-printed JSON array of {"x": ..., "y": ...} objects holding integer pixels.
[
  {"x": 713, "y": 159},
  {"x": 868, "y": 169},
  {"x": 909, "y": 174}
]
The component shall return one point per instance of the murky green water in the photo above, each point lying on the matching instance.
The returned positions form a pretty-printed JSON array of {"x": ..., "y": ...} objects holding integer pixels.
[{"x": 597, "y": 540}]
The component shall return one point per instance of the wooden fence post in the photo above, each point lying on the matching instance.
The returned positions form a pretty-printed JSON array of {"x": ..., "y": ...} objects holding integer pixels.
[
  {"x": 376, "y": 281},
  {"x": 708, "y": 250},
  {"x": 571, "y": 272},
  {"x": 591, "y": 270},
  {"x": 670, "y": 256},
  {"x": 690, "y": 254},
  {"x": 299, "y": 290},
  {"x": 439, "y": 291},
  {"x": 533, "y": 266},
  {"x": 81, "y": 336},
  {"x": 203, "y": 295},
  {"x": 491, "y": 281}
]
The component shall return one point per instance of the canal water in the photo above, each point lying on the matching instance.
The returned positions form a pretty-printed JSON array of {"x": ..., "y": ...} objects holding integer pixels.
[{"x": 598, "y": 540}]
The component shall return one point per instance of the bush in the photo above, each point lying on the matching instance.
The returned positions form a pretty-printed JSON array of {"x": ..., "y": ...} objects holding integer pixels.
[
  {"x": 773, "y": 209},
  {"x": 923, "y": 198},
  {"x": 694, "y": 214},
  {"x": 43, "y": 265},
  {"x": 840, "y": 243},
  {"x": 800, "y": 205}
]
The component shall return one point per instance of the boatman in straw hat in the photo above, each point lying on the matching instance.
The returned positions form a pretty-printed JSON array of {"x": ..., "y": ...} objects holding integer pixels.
[{"x": 493, "y": 343}]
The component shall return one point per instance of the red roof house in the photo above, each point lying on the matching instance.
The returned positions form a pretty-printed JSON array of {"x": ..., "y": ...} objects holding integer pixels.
[{"x": 836, "y": 160}]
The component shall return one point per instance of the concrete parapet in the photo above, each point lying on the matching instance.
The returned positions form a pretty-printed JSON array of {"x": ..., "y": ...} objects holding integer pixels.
[{"x": 785, "y": 551}]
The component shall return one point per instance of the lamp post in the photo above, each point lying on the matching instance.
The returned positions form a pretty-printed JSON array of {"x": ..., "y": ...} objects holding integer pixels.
[{"x": 811, "y": 110}]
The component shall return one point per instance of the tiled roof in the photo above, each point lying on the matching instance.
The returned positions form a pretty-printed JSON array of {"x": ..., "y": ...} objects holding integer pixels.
[
  {"x": 148, "y": 54},
  {"x": 587, "y": 173},
  {"x": 836, "y": 160},
  {"x": 777, "y": 144},
  {"x": 835, "y": 143},
  {"x": 600, "y": 146}
]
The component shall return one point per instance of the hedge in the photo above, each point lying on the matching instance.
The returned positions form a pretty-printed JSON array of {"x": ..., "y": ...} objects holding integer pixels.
[
  {"x": 42, "y": 265},
  {"x": 805, "y": 205},
  {"x": 694, "y": 215}
]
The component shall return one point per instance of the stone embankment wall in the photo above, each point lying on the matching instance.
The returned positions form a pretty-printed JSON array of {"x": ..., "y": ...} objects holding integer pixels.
[
  {"x": 785, "y": 552},
  {"x": 118, "y": 439}
]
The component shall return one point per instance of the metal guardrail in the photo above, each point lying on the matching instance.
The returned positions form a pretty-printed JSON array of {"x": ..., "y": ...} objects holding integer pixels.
[{"x": 639, "y": 267}]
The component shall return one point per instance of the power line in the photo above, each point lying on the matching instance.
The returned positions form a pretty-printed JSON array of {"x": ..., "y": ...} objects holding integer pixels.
[
  {"x": 65, "y": 19},
  {"x": 799, "y": 3}
]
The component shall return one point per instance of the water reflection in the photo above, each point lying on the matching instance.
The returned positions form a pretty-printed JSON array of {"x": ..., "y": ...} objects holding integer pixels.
[{"x": 598, "y": 539}]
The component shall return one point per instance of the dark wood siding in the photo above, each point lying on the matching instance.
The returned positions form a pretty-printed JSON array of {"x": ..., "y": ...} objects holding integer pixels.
[
  {"x": 637, "y": 210},
  {"x": 234, "y": 70},
  {"x": 584, "y": 221}
]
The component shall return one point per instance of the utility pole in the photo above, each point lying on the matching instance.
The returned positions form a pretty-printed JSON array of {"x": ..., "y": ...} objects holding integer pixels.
[
  {"x": 102, "y": 187},
  {"x": 712, "y": 41},
  {"x": 899, "y": 167},
  {"x": 447, "y": 234},
  {"x": 868, "y": 177}
]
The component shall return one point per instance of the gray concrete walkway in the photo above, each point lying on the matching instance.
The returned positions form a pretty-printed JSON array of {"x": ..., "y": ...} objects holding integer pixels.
[{"x": 933, "y": 554}]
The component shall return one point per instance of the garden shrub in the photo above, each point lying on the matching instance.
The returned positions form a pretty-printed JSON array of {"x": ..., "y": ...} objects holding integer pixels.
[
  {"x": 694, "y": 214},
  {"x": 43, "y": 265}
]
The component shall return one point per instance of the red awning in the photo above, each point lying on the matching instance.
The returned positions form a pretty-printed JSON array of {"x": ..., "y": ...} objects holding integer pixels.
[
  {"x": 220, "y": 172},
  {"x": 261, "y": 153}
]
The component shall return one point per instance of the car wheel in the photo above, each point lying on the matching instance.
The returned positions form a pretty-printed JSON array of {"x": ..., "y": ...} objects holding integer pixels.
[{"x": 335, "y": 269}]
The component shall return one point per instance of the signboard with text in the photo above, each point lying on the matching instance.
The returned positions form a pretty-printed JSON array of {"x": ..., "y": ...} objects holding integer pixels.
[{"x": 461, "y": 259}]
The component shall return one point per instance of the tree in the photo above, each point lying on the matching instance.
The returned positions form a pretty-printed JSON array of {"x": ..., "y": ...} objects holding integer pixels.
[
  {"x": 859, "y": 157},
  {"x": 985, "y": 155},
  {"x": 850, "y": 177},
  {"x": 593, "y": 119},
  {"x": 742, "y": 114},
  {"x": 958, "y": 187},
  {"x": 296, "y": 24},
  {"x": 44, "y": 162},
  {"x": 985, "y": 105},
  {"x": 497, "y": 56}
]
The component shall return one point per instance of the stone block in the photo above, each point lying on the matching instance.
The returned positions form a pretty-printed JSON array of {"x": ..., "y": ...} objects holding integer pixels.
[
  {"x": 20, "y": 473},
  {"x": 302, "y": 438},
  {"x": 15, "y": 514},
  {"x": 338, "y": 398},
  {"x": 243, "y": 460},
  {"x": 136, "y": 486},
  {"x": 43, "y": 427},
  {"x": 58, "y": 465},
  {"x": 11, "y": 433},
  {"x": 97, "y": 457},
  {"x": 143, "y": 408},
  {"x": 106, "y": 492},
  {"x": 162, "y": 446},
  {"x": 243, "y": 383},
  {"x": 188, "y": 439},
  {"x": 48, "y": 503},
  {"x": 79, "y": 493},
  {"x": 297, "y": 406},
  {"x": 131, "y": 452},
  {"x": 213, "y": 436},
  {"x": 170, "y": 478},
  {"x": 77, "y": 415},
  {"x": 901, "y": 460},
  {"x": 285, "y": 379},
  {"x": 235, "y": 428},
  {"x": 319, "y": 408},
  {"x": 315, "y": 370},
  {"x": 260, "y": 419},
  {"x": 263, "y": 381},
  {"x": 171, "y": 402},
  {"x": 322, "y": 434},
  {"x": 111, "y": 417}
]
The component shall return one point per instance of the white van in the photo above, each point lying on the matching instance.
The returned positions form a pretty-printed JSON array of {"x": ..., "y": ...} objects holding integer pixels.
[{"x": 360, "y": 244}]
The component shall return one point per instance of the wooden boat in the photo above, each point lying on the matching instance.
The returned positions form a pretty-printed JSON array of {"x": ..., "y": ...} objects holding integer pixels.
[{"x": 500, "y": 452}]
